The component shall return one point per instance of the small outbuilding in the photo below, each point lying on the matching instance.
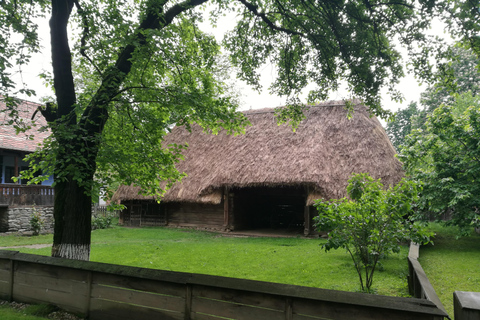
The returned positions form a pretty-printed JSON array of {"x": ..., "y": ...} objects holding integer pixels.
[{"x": 269, "y": 177}]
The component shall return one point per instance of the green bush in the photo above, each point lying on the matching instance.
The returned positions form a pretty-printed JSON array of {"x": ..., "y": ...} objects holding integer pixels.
[
  {"x": 36, "y": 221},
  {"x": 371, "y": 224},
  {"x": 102, "y": 221}
]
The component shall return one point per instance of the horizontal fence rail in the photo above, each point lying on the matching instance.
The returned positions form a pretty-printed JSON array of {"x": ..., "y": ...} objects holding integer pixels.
[
  {"x": 26, "y": 195},
  {"x": 105, "y": 291}
]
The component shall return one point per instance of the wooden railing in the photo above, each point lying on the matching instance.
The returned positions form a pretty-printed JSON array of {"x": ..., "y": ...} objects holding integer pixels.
[
  {"x": 105, "y": 291},
  {"x": 418, "y": 283},
  {"x": 22, "y": 195}
]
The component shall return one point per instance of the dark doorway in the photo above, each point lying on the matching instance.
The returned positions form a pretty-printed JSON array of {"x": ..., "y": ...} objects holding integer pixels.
[{"x": 268, "y": 208}]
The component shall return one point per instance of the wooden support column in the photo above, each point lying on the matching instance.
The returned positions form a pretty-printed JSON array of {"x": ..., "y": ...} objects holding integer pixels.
[
  {"x": 226, "y": 219},
  {"x": 306, "y": 215},
  {"x": 308, "y": 221},
  {"x": 15, "y": 165}
]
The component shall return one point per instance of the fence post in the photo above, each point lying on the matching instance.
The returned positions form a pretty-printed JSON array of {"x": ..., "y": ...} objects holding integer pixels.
[
  {"x": 12, "y": 277},
  {"x": 89, "y": 294},
  {"x": 288, "y": 309},
  {"x": 188, "y": 301},
  {"x": 466, "y": 305}
]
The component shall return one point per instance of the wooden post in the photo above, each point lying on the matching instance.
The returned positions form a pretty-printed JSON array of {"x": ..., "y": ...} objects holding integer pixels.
[
  {"x": 12, "y": 278},
  {"x": 466, "y": 305},
  {"x": 166, "y": 213},
  {"x": 88, "y": 294},
  {"x": 226, "y": 220},
  {"x": 188, "y": 302},
  {"x": 308, "y": 220},
  {"x": 306, "y": 214},
  {"x": 288, "y": 309},
  {"x": 16, "y": 171}
]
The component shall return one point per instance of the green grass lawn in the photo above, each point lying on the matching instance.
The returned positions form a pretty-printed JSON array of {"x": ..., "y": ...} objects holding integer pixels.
[
  {"x": 284, "y": 260},
  {"x": 451, "y": 264}
]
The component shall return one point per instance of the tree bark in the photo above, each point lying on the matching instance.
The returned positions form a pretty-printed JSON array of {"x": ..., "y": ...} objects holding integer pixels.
[{"x": 72, "y": 213}]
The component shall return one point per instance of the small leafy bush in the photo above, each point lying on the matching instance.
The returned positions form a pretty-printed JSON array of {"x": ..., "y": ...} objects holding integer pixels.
[
  {"x": 36, "y": 221},
  {"x": 102, "y": 221},
  {"x": 371, "y": 224}
]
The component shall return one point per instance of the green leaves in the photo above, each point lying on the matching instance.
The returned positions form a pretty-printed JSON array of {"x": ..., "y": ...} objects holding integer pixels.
[
  {"x": 370, "y": 224},
  {"x": 446, "y": 158}
]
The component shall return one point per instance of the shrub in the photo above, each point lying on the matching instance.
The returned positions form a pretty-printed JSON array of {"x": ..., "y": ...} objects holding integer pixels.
[
  {"x": 371, "y": 223},
  {"x": 102, "y": 221},
  {"x": 36, "y": 221}
]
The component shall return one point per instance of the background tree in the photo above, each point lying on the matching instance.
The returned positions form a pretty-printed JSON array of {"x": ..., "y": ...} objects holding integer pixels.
[
  {"x": 371, "y": 224},
  {"x": 401, "y": 124},
  {"x": 460, "y": 74},
  {"x": 445, "y": 156},
  {"x": 150, "y": 66}
]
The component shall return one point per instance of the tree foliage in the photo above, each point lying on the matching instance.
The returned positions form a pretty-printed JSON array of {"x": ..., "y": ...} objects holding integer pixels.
[
  {"x": 401, "y": 124},
  {"x": 459, "y": 74},
  {"x": 371, "y": 224},
  {"x": 445, "y": 157}
]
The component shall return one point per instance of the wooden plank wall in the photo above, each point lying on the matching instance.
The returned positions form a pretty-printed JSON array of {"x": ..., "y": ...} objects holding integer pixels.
[
  {"x": 195, "y": 215},
  {"x": 104, "y": 291}
]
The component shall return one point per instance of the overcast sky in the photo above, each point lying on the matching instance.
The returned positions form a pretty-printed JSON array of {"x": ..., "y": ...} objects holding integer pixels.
[{"x": 409, "y": 86}]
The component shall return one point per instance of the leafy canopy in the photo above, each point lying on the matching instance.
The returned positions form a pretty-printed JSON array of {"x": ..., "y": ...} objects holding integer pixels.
[
  {"x": 445, "y": 156},
  {"x": 371, "y": 224},
  {"x": 139, "y": 67}
]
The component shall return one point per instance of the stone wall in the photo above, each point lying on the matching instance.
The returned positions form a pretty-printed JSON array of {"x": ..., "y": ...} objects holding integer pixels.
[{"x": 17, "y": 219}]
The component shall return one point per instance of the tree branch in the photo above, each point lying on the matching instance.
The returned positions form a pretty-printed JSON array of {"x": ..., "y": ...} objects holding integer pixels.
[
  {"x": 83, "y": 41},
  {"x": 61, "y": 57},
  {"x": 254, "y": 9}
]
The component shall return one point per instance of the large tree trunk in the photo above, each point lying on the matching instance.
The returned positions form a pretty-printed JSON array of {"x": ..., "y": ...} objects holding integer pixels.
[{"x": 72, "y": 213}]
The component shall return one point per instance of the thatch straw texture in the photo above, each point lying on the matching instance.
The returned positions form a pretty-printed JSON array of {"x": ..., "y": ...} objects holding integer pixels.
[{"x": 322, "y": 154}]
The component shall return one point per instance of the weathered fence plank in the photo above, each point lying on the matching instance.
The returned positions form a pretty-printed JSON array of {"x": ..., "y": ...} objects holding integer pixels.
[
  {"x": 146, "y": 299},
  {"x": 103, "y": 309},
  {"x": 245, "y": 298},
  {"x": 160, "y": 287},
  {"x": 230, "y": 310}
]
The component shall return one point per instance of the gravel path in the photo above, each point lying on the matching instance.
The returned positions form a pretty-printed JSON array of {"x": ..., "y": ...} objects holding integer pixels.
[{"x": 32, "y": 246}]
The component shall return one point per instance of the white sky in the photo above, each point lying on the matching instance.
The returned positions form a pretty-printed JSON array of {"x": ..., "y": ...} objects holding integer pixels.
[{"x": 409, "y": 86}]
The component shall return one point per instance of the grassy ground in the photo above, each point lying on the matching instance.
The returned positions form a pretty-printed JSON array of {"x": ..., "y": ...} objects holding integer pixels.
[
  {"x": 451, "y": 264},
  {"x": 284, "y": 260},
  {"x": 21, "y": 311}
]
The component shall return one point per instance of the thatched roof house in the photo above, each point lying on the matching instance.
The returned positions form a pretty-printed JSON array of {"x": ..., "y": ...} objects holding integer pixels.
[{"x": 271, "y": 165}]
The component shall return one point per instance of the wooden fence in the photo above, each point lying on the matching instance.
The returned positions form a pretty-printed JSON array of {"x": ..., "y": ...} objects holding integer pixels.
[
  {"x": 22, "y": 195},
  {"x": 418, "y": 283},
  {"x": 105, "y": 291}
]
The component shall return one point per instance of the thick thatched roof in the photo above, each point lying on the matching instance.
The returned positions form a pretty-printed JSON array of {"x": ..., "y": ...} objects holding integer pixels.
[{"x": 322, "y": 154}]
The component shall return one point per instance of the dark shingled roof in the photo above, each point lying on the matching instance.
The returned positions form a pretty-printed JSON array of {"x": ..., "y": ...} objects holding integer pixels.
[
  {"x": 322, "y": 154},
  {"x": 21, "y": 142}
]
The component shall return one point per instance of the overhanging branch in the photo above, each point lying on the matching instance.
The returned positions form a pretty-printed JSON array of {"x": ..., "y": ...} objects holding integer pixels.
[{"x": 254, "y": 9}]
